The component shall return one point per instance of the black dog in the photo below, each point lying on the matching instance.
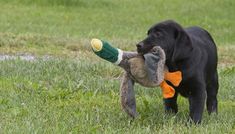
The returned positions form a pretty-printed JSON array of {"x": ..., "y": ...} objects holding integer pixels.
[{"x": 193, "y": 52}]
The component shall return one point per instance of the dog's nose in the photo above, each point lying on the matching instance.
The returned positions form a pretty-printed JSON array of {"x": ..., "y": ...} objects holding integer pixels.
[{"x": 138, "y": 46}]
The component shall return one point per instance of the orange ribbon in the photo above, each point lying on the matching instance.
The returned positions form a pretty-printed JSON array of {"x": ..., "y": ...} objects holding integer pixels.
[{"x": 175, "y": 78}]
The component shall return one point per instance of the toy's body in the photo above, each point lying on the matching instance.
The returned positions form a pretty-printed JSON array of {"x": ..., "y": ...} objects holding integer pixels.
[
  {"x": 148, "y": 70},
  {"x": 133, "y": 63}
]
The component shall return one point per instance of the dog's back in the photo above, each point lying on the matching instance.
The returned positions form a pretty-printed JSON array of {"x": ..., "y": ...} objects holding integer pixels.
[{"x": 202, "y": 39}]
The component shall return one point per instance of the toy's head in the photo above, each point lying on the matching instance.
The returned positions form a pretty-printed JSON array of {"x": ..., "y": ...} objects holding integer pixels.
[{"x": 104, "y": 50}]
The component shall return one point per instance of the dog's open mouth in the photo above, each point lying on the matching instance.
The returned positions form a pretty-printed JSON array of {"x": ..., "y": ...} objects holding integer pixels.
[{"x": 142, "y": 51}]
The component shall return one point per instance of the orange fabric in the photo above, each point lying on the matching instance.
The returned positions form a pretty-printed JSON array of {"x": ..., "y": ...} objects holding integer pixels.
[
  {"x": 167, "y": 90},
  {"x": 175, "y": 78}
]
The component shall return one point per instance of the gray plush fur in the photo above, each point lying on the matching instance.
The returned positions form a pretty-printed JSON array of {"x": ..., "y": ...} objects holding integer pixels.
[
  {"x": 128, "y": 96},
  {"x": 155, "y": 65},
  {"x": 147, "y": 70}
]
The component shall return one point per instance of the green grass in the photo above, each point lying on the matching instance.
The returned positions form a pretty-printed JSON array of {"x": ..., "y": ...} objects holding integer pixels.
[
  {"x": 123, "y": 20},
  {"x": 76, "y": 92},
  {"x": 67, "y": 95}
]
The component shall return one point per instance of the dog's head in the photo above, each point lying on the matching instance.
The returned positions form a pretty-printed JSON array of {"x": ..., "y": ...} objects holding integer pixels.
[{"x": 171, "y": 37}]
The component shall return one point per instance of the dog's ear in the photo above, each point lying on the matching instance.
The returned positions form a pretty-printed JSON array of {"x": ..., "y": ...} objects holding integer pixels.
[{"x": 183, "y": 46}]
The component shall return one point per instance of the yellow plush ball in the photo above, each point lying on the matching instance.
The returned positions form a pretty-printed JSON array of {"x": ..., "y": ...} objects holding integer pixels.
[{"x": 96, "y": 44}]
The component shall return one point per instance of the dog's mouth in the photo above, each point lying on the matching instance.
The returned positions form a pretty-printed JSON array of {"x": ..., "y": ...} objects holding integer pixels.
[
  {"x": 143, "y": 51},
  {"x": 139, "y": 51},
  {"x": 143, "y": 48}
]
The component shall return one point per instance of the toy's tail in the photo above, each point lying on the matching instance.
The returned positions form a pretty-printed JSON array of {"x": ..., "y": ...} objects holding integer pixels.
[{"x": 104, "y": 50}]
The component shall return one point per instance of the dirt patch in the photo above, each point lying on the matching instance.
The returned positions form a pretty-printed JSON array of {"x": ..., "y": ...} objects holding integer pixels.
[
  {"x": 25, "y": 57},
  {"x": 226, "y": 56}
]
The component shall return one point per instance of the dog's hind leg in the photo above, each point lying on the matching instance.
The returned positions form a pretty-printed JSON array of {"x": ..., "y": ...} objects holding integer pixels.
[
  {"x": 197, "y": 101},
  {"x": 212, "y": 90}
]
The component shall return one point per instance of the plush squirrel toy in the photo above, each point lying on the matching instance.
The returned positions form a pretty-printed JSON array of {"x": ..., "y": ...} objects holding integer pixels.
[{"x": 148, "y": 70}]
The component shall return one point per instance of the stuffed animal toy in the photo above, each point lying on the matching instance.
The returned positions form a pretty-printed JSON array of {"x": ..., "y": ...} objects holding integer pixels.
[{"x": 148, "y": 70}]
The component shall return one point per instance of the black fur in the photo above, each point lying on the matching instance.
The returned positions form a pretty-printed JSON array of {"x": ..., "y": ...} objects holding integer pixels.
[{"x": 192, "y": 51}]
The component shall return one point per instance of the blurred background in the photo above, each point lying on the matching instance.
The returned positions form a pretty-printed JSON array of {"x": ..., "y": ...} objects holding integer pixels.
[{"x": 118, "y": 20}]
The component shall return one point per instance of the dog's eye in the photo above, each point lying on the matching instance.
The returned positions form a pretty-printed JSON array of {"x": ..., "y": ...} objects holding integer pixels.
[{"x": 158, "y": 34}]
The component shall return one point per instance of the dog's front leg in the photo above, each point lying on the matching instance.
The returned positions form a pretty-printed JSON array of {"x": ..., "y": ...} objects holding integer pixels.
[
  {"x": 171, "y": 104},
  {"x": 196, "y": 104},
  {"x": 128, "y": 96}
]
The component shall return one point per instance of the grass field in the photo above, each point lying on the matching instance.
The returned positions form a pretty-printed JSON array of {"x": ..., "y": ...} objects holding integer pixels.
[{"x": 76, "y": 92}]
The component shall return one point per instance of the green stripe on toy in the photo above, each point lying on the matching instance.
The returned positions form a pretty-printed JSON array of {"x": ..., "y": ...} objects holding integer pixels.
[{"x": 104, "y": 50}]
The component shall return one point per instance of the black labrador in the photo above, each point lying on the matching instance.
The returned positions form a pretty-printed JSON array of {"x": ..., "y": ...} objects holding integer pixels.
[{"x": 192, "y": 51}]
